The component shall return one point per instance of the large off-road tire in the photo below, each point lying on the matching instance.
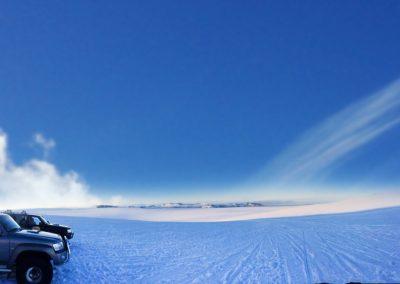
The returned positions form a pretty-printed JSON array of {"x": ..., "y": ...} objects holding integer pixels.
[{"x": 34, "y": 270}]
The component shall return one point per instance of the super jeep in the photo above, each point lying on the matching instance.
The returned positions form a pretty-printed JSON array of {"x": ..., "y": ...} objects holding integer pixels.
[
  {"x": 39, "y": 223},
  {"x": 29, "y": 255}
]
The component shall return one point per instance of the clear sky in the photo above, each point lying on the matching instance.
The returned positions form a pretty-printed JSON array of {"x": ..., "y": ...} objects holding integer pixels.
[{"x": 154, "y": 98}]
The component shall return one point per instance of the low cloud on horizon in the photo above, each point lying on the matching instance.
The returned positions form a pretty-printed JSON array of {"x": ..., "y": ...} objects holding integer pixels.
[{"x": 38, "y": 183}]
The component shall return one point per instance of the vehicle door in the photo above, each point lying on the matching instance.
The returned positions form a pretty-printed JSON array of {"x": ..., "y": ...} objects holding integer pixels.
[
  {"x": 4, "y": 246},
  {"x": 22, "y": 221}
]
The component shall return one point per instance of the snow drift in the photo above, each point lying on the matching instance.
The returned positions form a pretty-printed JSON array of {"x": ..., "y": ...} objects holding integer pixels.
[{"x": 231, "y": 214}]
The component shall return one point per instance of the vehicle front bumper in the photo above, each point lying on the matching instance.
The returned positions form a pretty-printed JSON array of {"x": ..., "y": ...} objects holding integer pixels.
[
  {"x": 69, "y": 235},
  {"x": 61, "y": 257}
]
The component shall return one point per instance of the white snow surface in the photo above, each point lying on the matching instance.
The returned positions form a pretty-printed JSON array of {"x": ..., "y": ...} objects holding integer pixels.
[
  {"x": 337, "y": 248},
  {"x": 232, "y": 214},
  {"x": 362, "y": 246}
]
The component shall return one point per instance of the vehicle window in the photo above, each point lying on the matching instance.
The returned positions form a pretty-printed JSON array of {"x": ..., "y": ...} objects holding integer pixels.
[
  {"x": 18, "y": 219},
  {"x": 22, "y": 221},
  {"x": 35, "y": 221},
  {"x": 8, "y": 223},
  {"x": 43, "y": 220}
]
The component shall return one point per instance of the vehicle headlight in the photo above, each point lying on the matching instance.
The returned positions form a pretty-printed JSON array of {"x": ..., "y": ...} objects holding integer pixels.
[
  {"x": 69, "y": 231},
  {"x": 58, "y": 246}
]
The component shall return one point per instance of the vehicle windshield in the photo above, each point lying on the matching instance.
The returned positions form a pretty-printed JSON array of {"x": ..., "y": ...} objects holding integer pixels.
[
  {"x": 43, "y": 220},
  {"x": 8, "y": 223}
]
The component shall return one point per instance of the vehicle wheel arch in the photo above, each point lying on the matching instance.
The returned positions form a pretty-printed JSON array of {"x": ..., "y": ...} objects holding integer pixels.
[
  {"x": 32, "y": 253},
  {"x": 34, "y": 267},
  {"x": 23, "y": 249}
]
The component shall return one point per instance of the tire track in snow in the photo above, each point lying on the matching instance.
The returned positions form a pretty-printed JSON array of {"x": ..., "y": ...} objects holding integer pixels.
[
  {"x": 296, "y": 242},
  {"x": 306, "y": 264},
  {"x": 285, "y": 267},
  {"x": 231, "y": 276},
  {"x": 265, "y": 265},
  {"x": 341, "y": 259},
  {"x": 215, "y": 266}
]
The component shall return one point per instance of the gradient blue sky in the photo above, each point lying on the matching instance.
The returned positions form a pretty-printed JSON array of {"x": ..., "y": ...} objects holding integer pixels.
[{"x": 159, "y": 96}]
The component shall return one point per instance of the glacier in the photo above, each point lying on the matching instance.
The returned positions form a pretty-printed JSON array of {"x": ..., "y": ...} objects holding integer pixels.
[{"x": 336, "y": 248}]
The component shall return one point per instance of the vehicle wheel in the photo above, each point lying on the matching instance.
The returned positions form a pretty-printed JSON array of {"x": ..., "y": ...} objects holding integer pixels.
[{"x": 34, "y": 270}]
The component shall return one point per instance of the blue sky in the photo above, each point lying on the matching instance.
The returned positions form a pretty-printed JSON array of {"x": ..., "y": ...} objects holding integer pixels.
[{"x": 190, "y": 97}]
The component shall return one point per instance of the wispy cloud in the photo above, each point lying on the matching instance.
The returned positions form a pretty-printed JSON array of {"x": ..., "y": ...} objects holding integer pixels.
[
  {"x": 329, "y": 142},
  {"x": 47, "y": 144},
  {"x": 38, "y": 183}
]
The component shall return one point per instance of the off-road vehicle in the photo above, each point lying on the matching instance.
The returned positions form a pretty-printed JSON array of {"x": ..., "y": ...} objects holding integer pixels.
[
  {"x": 29, "y": 255},
  {"x": 38, "y": 222}
]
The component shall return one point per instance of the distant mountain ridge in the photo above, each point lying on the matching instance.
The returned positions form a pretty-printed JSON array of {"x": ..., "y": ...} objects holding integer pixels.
[{"x": 209, "y": 205}]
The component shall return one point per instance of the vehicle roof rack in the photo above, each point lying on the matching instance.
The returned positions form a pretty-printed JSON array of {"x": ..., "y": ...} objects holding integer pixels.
[{"x": 8, "y": 211}]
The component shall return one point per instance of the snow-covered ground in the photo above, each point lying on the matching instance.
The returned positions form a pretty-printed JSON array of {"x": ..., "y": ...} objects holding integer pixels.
[{"x": 363, "y": 246}]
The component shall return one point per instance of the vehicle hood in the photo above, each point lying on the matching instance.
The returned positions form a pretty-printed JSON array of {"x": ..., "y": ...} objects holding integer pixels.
[
  {"x": 37, "y": 236},
  {"x": 60, "y": 226}
]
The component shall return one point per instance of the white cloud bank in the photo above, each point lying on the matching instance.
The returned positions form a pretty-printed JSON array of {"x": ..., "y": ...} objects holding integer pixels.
[
  {"x": 333, "y": 139},
  {"x": 46, "y": 144},
  {"x": 38, "y": 183}
]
